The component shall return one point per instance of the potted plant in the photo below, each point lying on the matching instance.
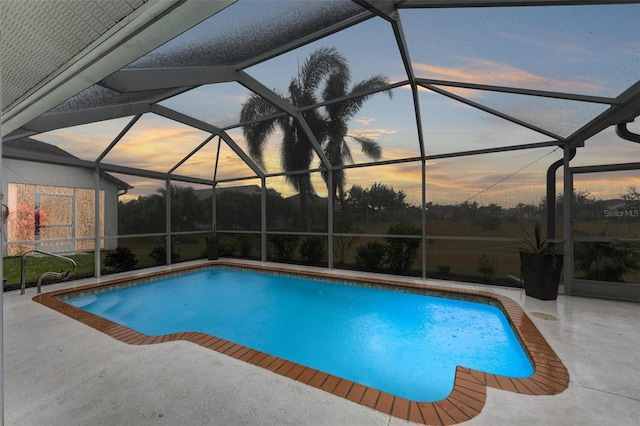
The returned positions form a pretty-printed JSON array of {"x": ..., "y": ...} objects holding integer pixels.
[
  {"x": 541, "y": 264},
  {"x": 213, "y": 242}
]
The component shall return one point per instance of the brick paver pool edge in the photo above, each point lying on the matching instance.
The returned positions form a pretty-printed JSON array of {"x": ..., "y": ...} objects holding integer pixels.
[{"x": 464, "y": 403}]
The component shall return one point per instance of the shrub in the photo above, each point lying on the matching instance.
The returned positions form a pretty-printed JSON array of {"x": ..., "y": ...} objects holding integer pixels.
[
  {"x": 159, "y": 254},
  {"x": 402, "y": 252},
  {"x": 487, "y": 267},
  {"x": 606, "y": 261},
  {"x": 371, "y": 255},
  {"x": 284, "y": 246},
  {"x": 342, "y": 247},
  {"x": 226, "y": 248},
  {"x": 244, "y": 244},
  {"x": 312, "y": 249},
  {"x": 443, "y": 269},
  {"x": 121, "y": 259}
]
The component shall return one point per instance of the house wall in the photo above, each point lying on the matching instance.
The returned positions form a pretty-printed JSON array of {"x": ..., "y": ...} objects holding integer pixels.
[{"x": 32, "y": 173}]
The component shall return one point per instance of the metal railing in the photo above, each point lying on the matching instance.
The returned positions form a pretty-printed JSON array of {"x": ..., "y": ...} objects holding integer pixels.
[{"x": 64, "y": 275}]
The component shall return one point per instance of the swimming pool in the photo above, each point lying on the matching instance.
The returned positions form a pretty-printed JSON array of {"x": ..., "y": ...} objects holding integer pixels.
[
  {"x": 310, "y": 363},
  {"x": 402, "y": 343}
]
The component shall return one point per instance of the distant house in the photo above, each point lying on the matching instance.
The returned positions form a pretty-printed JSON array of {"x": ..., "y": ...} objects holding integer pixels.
[{"x": 51, "y": 207}]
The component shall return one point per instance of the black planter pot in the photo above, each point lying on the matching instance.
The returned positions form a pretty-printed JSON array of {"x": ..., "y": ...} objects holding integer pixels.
[
  {"x": 541, "y": 274},
  {"x": 212, "y": 249}
]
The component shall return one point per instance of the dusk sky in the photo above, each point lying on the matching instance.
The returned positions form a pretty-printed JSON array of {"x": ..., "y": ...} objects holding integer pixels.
[{"x": 592, "y": 50}]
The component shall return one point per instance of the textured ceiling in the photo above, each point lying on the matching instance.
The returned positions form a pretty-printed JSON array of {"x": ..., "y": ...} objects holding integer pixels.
[
  {"x": 46, "y": 35},
  {"x": 52, "y": 50},
  {"x": 248, "y": 30}
]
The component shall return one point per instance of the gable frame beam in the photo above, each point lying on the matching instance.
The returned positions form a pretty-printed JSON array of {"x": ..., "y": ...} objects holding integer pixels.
[
  {"x": 91, "y": 165},
  {"x": 192, "y": 153},
  {"x": 198, "y": 124},
  {"x": 492, "y": 111},
  {"x": 117, "y": 139},
  {"x": 628, "y": 108},
  {"x": 62, "y": 120},
  {"x": 521, "y": 91},
  {"x": 406, "y": 60},
  {"x": 135, "y": 80},
  {"x": 422, "y": 4}
]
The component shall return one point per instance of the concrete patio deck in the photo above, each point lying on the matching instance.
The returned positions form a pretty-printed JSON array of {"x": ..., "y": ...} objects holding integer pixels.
[{"x": 61, "y": 372}]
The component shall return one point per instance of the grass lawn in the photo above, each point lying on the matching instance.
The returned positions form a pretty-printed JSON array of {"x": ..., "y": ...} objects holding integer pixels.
[
  {"x": 38, "y": 264},
  {"x": 189, "y": 248},
  {"x": 461, "y": 257}
]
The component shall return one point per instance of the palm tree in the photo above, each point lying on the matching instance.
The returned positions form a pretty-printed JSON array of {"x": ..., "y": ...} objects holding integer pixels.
[
  {"x": 338, "y": 115},
  {"x": 330, "y": 128}
]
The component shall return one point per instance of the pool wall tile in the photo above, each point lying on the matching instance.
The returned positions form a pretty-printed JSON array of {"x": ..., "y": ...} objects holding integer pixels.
[{"x": 464, "y": 403}]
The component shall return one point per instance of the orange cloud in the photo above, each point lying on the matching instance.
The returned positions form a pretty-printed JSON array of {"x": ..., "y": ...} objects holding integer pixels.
[
  {"x": 373, "y": 133},
  {"x": 364, "y": 121},
  {"x": 483, "y": 71}
]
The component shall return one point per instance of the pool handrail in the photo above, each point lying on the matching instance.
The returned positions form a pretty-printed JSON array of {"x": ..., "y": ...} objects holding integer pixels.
[{"x": 62, "y": 274}]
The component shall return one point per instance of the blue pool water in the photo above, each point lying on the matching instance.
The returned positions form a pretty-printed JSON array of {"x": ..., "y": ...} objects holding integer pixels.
[{"x": 405, "y": 344}]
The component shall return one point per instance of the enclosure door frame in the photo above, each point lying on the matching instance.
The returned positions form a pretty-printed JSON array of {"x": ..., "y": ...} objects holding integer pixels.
[{"x": 591, "y": 288}]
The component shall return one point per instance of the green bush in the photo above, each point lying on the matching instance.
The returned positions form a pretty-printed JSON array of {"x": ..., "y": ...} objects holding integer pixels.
[
  {"x": 312, "y": 248},
  {"x": 606, "y": 261},
  {"x": 443, "y": 269},
  {"x": 402, "y": 252},
  {"x": 159, "y": 254},
  {"x": 371, "y": 255},
  {"x": 487, "y": 267},
  {"x": 121, "y": 259},
  {"x": 244, "y": 244},
  {"x": 226, "y": 247},
  {"x": 284, "y": 246},
  {"x": 342, "y": 246}
]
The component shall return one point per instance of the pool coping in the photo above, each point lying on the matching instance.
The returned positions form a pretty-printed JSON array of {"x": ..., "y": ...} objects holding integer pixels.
[{"x": 466, "y": 401}]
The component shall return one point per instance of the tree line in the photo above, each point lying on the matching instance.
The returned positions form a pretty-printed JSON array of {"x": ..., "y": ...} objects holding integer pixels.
[
  {"x": 360, "y": 206},
  {"x": 237, "y": 210}
]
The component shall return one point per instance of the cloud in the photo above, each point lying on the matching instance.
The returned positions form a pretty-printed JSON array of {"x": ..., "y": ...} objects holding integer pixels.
[
  {"x": 373, "y": 133},
  {"x": 85, "y": 141},
  {"x": 364, "y": 121},
  {"x": 561, "y": 45},
  {"x": 604, "y": 186},
  {"x": 483, "y": 71},
  {"x": 155, "y": 144}
]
